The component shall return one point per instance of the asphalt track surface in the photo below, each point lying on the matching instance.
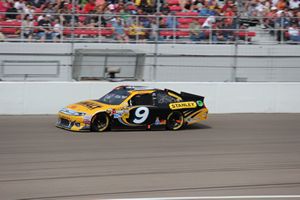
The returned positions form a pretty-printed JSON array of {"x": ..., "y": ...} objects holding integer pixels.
[{"x": 232, "y": 154}]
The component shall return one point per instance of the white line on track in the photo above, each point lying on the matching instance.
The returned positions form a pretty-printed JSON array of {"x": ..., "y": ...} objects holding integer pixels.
[{"x": 214, "y": 197}]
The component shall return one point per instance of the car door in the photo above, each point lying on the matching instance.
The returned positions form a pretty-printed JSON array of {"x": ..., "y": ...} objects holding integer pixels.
[{"x": 142, "y": 111}]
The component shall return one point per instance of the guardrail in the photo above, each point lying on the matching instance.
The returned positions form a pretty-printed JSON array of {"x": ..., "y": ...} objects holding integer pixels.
[{"x": 178, "y": 27}]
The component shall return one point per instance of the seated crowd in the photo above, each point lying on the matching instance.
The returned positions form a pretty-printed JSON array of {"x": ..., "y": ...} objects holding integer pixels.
[
  {"x": 282, "y": 17},
  {"x": 140, "y": 20}
]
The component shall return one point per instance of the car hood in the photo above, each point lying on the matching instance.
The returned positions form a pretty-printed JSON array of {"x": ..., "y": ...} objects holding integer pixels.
[{"x": 89, "y": 106}]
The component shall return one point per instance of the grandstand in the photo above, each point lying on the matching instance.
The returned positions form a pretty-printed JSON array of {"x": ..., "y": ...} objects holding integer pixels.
[
  {"x": 175, "y": 21},
  {"x": 230, "y": 40}
]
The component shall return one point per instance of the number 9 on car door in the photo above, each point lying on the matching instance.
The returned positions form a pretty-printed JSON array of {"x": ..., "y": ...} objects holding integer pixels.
[{"x": 142, "y": 111}]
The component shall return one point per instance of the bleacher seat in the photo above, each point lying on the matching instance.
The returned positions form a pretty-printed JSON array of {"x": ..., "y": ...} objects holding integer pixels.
[
  {"x": 185, "y": 20},
  {"x": 131, "y": 7},
  {"x": 245, "y": 34},
  {"x": 173, "y": 2},
  {"x": 186, "y": 14},
  {"x": 9, "y": 24},
  {"x": 183, "y": 26},
  {"x": 175, "y": 8},
  {"x": 176, "y": 33},
  {"x": 89, "y": 32}
]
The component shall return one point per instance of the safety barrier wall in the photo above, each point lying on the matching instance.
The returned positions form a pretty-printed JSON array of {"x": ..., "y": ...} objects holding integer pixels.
[
  {"x": 205, "y": 63},
  {"x": 18, "y": 98}
]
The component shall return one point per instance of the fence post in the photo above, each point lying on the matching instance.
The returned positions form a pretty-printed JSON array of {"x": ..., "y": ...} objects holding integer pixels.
[
  {"x": 22, "y": 27},
  {"x": 154, "y": 70}
]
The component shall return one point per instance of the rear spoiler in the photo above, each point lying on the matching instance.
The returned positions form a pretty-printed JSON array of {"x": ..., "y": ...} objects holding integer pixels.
[
  {"x": 187, "y": 96},
  {"x": 191, "y": 97}
]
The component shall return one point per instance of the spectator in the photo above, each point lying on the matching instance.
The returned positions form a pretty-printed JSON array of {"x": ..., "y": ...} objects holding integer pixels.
[
  {"x": 89, "y": 6},
  {"x": 11, "y": 12},
  {"x": 126, "y": 17},
  {"x": 154, "y": 32},
  {"x": 209, "y": 22},
  {"x": 28, "y": 27},
  {"x": 137, "y": 31},
  {"x": 271, "y": 18},
  {"x": 45, "y": 29},
  {"x": 2, "y": 37},
  {"x": 228, "y": 3},
  {"x": 294, "y": 4},
  {"x": 218, "y": 33},
  {"x": 204, "y": 11},
  {"x": 19, "y": 5},
  {"x": 3, "y": 8},
  {"x": 119, "y": 31},
  {"x": 281, "y": 4},
  {"x": 145, "y": 5},
  {"x": 164, "y": 9},
  {"x": 171, "y": 21},
  {"x": 294, "y": 33},
  {"x": 195, "y": 30},
  {"x": 57, "y": 30},
  {"x": 229, "y": 14},
  {"x": 29, "y": 10}
]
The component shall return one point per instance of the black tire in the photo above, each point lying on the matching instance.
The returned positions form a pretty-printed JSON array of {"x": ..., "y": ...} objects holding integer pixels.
[
  {"x": 175, "y": 120},
  {"x": 100, "y": 122}
]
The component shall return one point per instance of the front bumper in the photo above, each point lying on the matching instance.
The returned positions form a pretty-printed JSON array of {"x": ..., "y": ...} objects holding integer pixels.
[{"x": 72, "y": 123}]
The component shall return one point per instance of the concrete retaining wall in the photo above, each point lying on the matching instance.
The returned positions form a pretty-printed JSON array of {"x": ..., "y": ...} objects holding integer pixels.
[
  {"x": 176, "y": 62},
  {"x": 17, "y": 98}
]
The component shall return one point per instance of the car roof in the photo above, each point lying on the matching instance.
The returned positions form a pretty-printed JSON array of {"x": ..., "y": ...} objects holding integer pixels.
[{"x": 135, "y": 88}]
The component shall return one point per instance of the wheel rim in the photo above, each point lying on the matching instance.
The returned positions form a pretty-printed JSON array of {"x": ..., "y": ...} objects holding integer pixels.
[
  {"x": 101, "y": 122},
  {"x": 175, "y": 121}
]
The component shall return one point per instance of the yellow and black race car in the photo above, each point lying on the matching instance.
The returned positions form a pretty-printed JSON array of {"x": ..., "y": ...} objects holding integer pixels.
[{"x": 134, "y": 107}]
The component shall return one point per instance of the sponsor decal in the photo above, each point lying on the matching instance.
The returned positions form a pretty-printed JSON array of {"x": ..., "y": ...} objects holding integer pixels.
[
  {"x": 121, "y": 113},
  {"x": 87, "y": 119},
  {"x": 117, "y": 115},
  {"x": 89, "y": 105},
  {"x": 200, "y": 103},
  {"x": 183, "y": 105},
  {"x": 157, "y": 122}
]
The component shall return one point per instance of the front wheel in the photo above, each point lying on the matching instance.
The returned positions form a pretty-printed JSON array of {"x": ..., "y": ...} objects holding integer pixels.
[
  {"x": 175, "y": 120},
  {"x": 100, "y": 122}
]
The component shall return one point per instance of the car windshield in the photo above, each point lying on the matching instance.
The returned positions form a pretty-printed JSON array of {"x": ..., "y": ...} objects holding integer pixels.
[{"x": 114, "y": 97}]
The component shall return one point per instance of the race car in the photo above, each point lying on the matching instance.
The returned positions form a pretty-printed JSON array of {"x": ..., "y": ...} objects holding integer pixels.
[{"x": 134, "y": 107}]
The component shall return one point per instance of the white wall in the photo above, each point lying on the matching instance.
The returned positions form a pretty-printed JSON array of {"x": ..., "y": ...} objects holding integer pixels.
[
  {"x": 49, "y": 97},
  {"x": 176, "y": 62}
]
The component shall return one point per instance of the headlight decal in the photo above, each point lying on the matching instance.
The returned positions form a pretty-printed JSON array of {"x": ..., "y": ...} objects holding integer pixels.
[{"x": 72, "y": 112}]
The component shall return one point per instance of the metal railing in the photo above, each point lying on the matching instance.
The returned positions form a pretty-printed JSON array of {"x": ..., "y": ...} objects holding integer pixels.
[{"x": 176, "y": 28}]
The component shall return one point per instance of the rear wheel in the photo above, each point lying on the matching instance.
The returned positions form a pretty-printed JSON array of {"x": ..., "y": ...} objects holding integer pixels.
[
  {"x": 100, "y": 122},
  {"x": 175, "y": 120}
]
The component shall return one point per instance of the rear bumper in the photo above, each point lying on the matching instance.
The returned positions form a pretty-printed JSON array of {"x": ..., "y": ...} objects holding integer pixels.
[{"x": 202, "y": 114}]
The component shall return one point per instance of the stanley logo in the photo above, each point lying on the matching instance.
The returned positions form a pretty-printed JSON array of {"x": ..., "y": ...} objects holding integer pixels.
[{"x": 182, "y": 105}]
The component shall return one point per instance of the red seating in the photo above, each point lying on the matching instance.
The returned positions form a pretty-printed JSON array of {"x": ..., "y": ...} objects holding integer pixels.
[
  {"x": 185, "y": 20},
  {"x": 107, "y": 32},
  {"x": 175, "y": 8},
  {"x": 177, "y": 33},
  {"x": 246, "y": 34},
  {"x": 287, "y": 35},
  {"x": 173, "y": 2},
  {"x": 183, "y": 26},
  {"x": 9, "y": 30},
  {"x": 202, "y": 20},
  {"x": 186, "y": 14},
  {"x": 90, "y": 32},
  {"x": 10, "y": 23},
  {"x": 131, "y": 7}
]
